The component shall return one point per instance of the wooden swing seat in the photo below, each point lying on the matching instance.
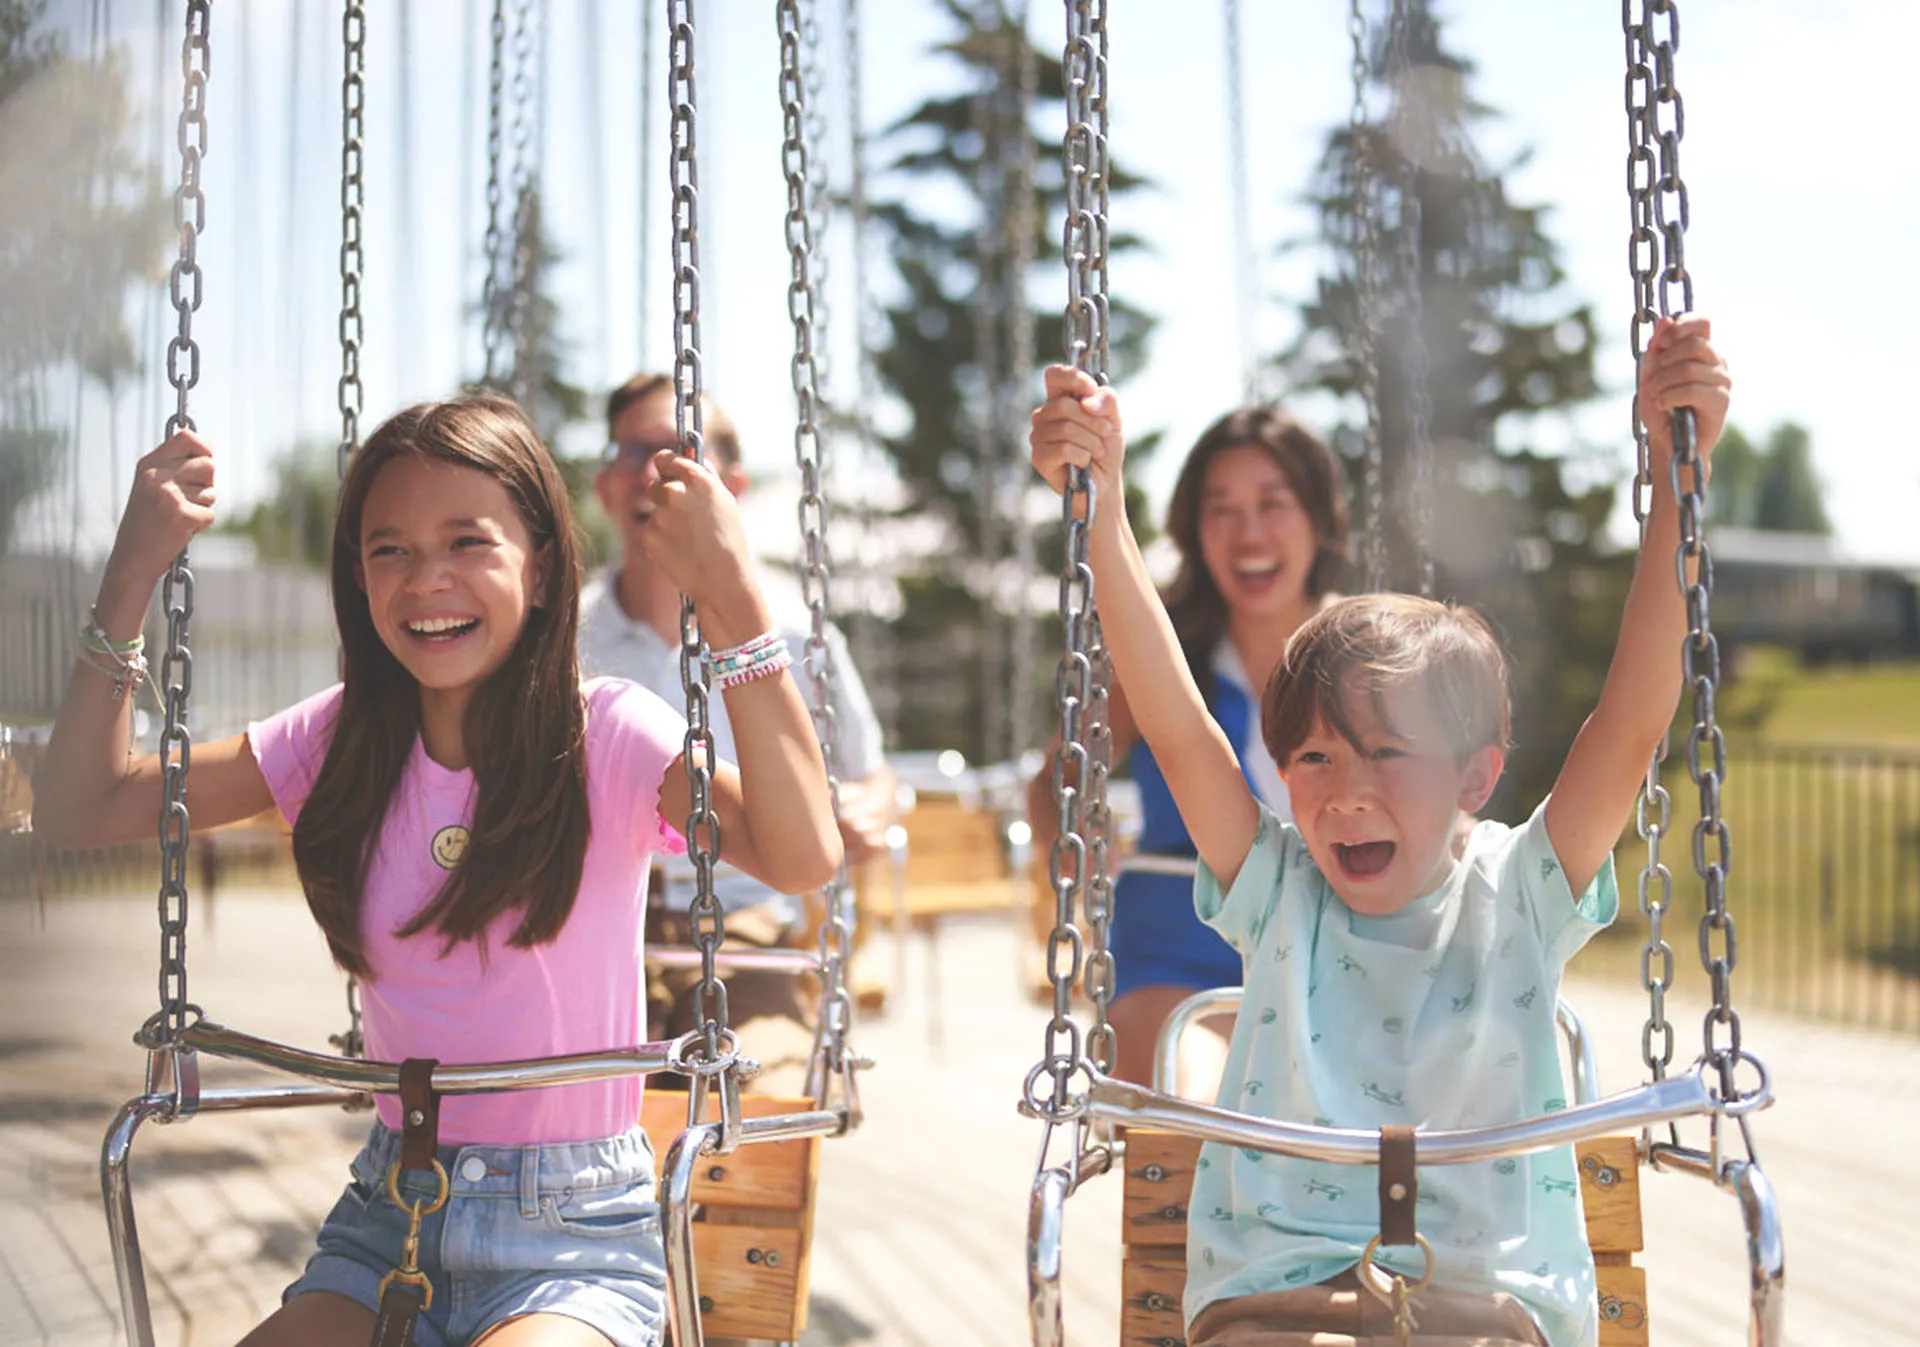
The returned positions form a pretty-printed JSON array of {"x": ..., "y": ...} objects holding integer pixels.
[
  {"x": 753, "y": 1227},
  {"x": 1159, "y": 1182}
]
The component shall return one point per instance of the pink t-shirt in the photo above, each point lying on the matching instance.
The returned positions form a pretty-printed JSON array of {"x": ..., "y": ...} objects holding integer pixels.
[{"x": 583, "y": 992}]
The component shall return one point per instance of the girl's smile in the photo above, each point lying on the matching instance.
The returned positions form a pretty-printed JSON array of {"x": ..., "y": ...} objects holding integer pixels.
[{"x": 450, "y": 571}]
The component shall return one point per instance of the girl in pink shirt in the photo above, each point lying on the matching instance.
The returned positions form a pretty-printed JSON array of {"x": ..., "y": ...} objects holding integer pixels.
[{"x": 472, "y": 828}]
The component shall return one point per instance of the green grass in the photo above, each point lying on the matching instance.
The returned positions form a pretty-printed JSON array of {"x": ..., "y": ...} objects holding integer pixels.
[{"x": 1777, "y": 700}]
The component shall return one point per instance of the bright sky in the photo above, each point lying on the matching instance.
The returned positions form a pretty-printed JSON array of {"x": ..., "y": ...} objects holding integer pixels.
[{"x": 1803, "y": 208}]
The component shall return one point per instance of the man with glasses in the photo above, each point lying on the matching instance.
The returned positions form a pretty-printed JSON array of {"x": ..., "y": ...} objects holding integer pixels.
[{"x": 630, "y": 628}]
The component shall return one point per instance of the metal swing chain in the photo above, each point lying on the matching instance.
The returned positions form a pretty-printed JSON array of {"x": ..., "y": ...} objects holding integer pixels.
[
  {"x": 1098, "y": 820},
  {"x": 185, "y": 287},
  {"x": 837, "y": 931},
  {"x": 1417, "y": 372},
  {"x": 703, "y": 829},
  {"x": 1063, "y": 1051},
  {"x": 519, "y": 302},
  {"x": 1700, "y": 655},
  {"x": 1366, "y": 245},
  {"x": 353, "y": 92},
  {"x": 819, "y": 205},
  {"x": 1654, "y": 811},
  {"x": 492, "y": 314}
]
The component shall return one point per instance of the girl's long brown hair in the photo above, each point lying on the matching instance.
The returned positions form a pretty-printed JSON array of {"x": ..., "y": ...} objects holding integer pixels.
[
  {"x": 1193, "y": 600},
  {"x": 524, "y": 728}
]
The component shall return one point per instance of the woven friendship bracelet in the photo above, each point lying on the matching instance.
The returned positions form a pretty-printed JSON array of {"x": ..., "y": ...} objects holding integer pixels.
[
  {"x": 744, "y": 656},
  {"x": 768, "y": 659}
]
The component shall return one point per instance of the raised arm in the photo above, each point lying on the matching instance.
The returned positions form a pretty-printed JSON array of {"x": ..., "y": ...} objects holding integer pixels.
[
  {"x": 776, "y": 821},
  {"x": 1608, "y": 761},
  {"x": 1079, "y": 426},
  {"x": 90, "y": 791}
]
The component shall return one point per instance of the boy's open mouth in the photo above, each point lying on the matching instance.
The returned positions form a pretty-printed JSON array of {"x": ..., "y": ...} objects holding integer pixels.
[{"x": 1363, "y": 858}]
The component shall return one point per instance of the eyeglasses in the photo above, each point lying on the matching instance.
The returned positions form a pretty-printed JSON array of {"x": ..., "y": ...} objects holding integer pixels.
[{"x": 634, "y": 453}]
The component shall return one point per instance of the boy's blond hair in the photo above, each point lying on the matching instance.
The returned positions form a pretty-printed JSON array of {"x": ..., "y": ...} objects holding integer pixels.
[{"x": 1369, "y": 642}]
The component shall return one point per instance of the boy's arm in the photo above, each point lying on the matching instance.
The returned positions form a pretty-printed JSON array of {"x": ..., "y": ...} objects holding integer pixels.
[
  {"x": 1608, "y": 761},
  {"x": 1080, "y": 426}
]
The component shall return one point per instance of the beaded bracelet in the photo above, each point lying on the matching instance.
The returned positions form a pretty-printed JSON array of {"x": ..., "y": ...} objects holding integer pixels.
[{"x": 761, "y": 657}]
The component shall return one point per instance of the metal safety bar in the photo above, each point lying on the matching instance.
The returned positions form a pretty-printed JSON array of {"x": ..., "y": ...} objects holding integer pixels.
[
  {"x": 772, "y": 960},
  {"x": 384, "y": 1077},
  {"x": 1115, "y": 1101},
  {"x": 677, "y": 1205},
  {"x": 1046, "y": 1221}
]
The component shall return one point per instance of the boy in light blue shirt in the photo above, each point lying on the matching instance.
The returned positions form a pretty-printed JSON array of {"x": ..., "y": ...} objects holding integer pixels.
[{"x": 1398, "y": 969}]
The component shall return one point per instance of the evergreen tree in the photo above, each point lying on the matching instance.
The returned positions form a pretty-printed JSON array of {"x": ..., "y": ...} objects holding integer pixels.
[
  {"x": 84, "y": 221},
  {"x": 1506, "y": 532},
  {"x": 1774, "y": 488},
  {"x": 957, "y": 271},
  {"x": 1788, "y": 496},
  {"x": 1737, "y": 469}
]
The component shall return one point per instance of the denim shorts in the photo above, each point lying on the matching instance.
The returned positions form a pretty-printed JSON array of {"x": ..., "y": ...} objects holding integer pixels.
[{"x": 570, "y": 1229}]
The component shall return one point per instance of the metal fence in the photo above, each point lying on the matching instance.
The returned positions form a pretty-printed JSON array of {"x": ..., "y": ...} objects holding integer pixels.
[{"x": 1824, "y": 885}]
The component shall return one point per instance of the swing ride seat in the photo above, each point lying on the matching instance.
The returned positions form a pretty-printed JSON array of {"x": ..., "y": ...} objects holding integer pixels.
[
  {"x": 753, "y": 1231},
  {"x": 955, "y": 862},
  {"x": 1159, "y": 1180}
]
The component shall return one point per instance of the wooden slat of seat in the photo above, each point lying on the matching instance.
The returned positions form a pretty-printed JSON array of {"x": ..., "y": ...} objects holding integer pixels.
[
  {"x": 1159, "y": 1185},
  {"x": 1610, "y": 1193},
  {"x": 753, "y": 1232},
  {"x": 776, "y": 1175},
  {"x": 1159, "y": 1181},
  {"x": 1150, "y": 1309},
  {"x": 752, "y": 1280}
]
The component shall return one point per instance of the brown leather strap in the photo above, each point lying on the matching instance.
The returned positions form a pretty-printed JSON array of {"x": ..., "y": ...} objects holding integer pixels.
[
  {"x": 419, "y": 1114},
  {"x": 1399, "y": 1188},
  {"x": 400, "y": 1305}
]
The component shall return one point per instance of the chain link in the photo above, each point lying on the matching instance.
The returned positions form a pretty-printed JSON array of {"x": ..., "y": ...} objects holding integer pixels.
[
  {"x": 353, "y": 93},
  {"x": 1653, "y": 814},
  {"x": 1366, "y": 317},
  {"x": 836, "y": 933},
  {"x": 819, "y": 209},
  {"x": 1406, "y": 128},
  {"x": 176, "y": 669},
  {"x": 703, "y": 829},
  {"x": 492, "y": 309}
]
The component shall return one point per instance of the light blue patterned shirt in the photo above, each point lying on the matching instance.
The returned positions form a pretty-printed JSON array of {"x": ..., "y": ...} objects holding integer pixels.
[{"x": 1439, "y": 1016}]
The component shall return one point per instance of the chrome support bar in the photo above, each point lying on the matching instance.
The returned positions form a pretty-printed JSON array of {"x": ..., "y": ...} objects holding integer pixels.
[
  {"x": 1046, "y": 1217},
  {"x": 775, "y": 960},
  {"x": 1766, "y": 1254},
  {"x": 1586, "y": 1072},
  {"x": 1679, "y": 1097},
  {"x": 676, "y": 1225},
  {"x": 353, "y": 1074},
  {"x": 117, "y": 1192},
  {"x": 1166, "y": 1050},
  {"x": 1146, "y": 863}
]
